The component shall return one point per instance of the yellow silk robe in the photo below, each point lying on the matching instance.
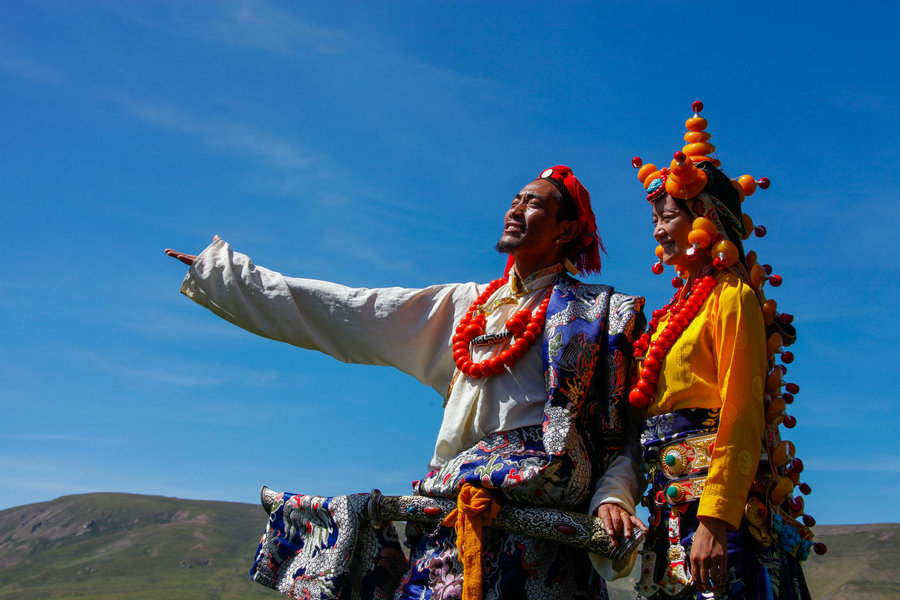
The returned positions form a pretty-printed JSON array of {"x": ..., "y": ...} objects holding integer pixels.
[{"x": 719, "y": 362}]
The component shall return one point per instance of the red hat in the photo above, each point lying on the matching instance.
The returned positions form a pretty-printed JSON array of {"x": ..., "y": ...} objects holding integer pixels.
[{"x": 587, "y": 247}]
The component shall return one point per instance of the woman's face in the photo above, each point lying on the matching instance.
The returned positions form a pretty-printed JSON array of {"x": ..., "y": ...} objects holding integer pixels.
[{"x": 671, "y": 227}]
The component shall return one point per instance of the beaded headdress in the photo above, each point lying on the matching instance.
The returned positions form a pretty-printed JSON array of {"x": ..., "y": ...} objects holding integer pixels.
[{"x": 689, "y": 178}]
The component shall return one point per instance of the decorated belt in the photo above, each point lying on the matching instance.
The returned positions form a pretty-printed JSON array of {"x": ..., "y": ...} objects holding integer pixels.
[
  {"x": 681, "y": 491},
  {"x": 687, "y": 456}
]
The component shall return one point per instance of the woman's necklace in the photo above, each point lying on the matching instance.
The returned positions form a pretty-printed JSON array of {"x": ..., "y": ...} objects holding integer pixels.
[
  {"x": 524, "y": 326},
  {"x": 651, "y": 354}
]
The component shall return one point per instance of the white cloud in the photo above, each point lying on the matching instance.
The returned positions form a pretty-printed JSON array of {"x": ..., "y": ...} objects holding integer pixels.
[
  {"x": 252, "y": 23},
  {"x": 25, "y": 68},
  {"x": 224, "y": 135}
]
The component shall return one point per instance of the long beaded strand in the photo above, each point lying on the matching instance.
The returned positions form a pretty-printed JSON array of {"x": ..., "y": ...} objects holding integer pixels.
[{"x": 653, "y": 353}]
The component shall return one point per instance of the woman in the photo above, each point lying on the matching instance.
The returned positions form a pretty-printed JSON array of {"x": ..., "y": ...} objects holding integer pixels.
[{"x": 722, "y": 522}]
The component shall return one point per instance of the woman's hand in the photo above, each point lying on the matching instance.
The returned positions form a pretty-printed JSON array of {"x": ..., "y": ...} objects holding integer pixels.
[
  {"x": 618, "y": 521},
  {"x": 709, "y": 555},
  {"x": 187, "y": 259}
]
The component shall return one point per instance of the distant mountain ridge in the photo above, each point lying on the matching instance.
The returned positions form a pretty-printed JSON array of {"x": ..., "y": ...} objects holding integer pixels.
[{"x": 130, "y": 547}]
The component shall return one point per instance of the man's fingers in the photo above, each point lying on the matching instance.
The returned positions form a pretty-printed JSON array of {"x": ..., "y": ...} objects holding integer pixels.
[
  {"x": 187, "y": 259},
  {"x": 626, "y": 526}
]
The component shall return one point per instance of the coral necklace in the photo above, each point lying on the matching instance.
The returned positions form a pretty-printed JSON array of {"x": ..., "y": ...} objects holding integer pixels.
[
  {"x": 682, "y": 311},
  {"x": 524, "y": 326}
]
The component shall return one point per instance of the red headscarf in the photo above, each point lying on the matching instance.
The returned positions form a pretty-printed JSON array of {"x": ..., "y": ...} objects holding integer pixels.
[{"x": 586, "y": 255}]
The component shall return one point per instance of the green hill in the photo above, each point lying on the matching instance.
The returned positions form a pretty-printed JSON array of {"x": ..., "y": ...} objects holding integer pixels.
[{"x": 130, "y": 547}]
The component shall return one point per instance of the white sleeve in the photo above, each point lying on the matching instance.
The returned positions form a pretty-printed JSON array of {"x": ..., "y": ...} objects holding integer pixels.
[
  {"x": 620, "y": 485},
  {"x": 409, "y": 329}
]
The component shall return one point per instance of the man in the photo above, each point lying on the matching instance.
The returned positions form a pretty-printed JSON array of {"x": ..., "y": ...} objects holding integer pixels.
[{"x": 532, "y": 369}]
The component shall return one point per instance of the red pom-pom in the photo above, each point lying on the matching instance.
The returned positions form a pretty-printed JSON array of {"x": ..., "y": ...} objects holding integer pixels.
[{"x": 697, "y": 106}]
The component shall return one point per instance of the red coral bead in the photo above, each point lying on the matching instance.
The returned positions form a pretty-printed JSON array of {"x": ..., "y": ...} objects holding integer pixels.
[
  {"x": 680, "y": 156},
  {"x": 638, "y": 399},
  {"x": 796, "y": 465},
  {"x": 788, "y": 398},
  {"x": 820, "y": 548},
  {"x": 697, "y": 106},
  {"x": 792, "y": 388},
  {"x": 790, "y": 421},
  {"x": 764, "y": 183},
  {"x": 775, "y": 280},
  {"x": 809, "y": 521},
  {"x": 760, "y": 231},
  {"x": 787, "y": 357},
  {"x": 649, "y": 375},
  {"x": 657, "y": 268},
  {"x": 805, "y": 489},
  {"x": 677, "y": 282},
  {"x": 636, "y": 162},
  {"x": 786, "y": 318},
  {"x": 515, "y": 325},
  {"x": 648, "y": 388},
  {"x": 472, "y": 332}
]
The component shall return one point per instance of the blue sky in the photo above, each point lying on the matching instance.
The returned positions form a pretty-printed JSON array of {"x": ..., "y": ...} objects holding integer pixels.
[{"x": 379, "y": 144}]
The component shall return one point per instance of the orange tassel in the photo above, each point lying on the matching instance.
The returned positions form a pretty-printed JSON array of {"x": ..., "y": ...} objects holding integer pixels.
[{"x": 475, "y": 508}]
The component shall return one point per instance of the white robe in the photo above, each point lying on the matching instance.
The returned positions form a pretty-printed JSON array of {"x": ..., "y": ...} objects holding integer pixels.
[{"x": 409, "y": 329}]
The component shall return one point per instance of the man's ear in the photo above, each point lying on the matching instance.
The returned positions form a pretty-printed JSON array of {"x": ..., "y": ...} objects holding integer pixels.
[{"x": 571, "y": 230}]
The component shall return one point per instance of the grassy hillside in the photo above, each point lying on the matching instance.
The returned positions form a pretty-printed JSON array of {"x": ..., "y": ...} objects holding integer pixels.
[{"x": 129, "y": 547}]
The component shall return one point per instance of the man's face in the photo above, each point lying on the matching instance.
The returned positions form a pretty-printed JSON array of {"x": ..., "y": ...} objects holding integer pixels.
[{"x": 531, "y": 227}]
